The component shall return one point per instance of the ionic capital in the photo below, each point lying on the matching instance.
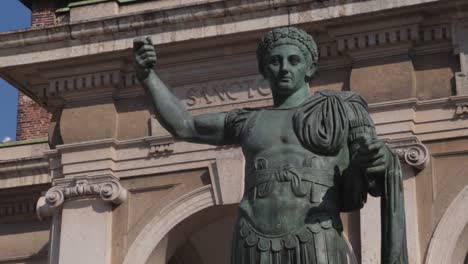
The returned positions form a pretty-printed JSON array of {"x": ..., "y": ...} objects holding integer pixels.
[
  {"x": 410, "y": 151},
  {"x": 103, "y": 187}
]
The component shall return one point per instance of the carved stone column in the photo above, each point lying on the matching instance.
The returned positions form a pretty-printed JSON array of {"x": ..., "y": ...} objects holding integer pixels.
[
  {"x": 82, "y": 221},
  {"x": 414, "y": 156}
]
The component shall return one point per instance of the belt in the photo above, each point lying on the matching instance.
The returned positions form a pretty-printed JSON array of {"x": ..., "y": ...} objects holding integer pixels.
[{"x": 265, "y": 179}]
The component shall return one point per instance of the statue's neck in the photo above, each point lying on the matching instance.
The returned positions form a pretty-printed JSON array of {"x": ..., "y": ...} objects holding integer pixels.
[{"x": 291, "y": 100}]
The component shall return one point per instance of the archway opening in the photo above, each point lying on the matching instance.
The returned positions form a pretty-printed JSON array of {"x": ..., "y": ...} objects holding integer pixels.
[{"x": 203, "y": 238}]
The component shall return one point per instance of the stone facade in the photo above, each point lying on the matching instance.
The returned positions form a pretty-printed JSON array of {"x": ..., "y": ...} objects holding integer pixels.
[{"x": 112, "y": 186}]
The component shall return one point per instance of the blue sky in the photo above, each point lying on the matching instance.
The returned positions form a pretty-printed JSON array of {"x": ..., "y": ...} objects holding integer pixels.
[{"x": 13, "y": 15}]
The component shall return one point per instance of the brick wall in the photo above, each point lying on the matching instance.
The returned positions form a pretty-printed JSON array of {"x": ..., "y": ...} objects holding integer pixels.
[
  {"x": 32, "y": 120},
  {"x": 43, "y": 13}
]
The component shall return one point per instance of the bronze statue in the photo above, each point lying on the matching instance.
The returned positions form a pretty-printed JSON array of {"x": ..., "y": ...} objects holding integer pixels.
[{"x": 308, "y": 158}]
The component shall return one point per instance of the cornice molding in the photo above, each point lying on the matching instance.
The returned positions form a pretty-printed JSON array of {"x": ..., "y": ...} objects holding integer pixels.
[
  {"x": 24, "y": 171},
  {"x": 80, "y": 74},
  {"x": 9, "y": 167},
  {"x": 112, "y": 76},
  {"x": 185, "y": 15},
  {"x": 103, "y": 187}
]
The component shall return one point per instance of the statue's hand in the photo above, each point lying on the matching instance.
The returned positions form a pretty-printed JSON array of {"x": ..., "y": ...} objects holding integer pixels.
[
  {"x": 372, "y": 155},
  {"x": 144, "y": 56}
]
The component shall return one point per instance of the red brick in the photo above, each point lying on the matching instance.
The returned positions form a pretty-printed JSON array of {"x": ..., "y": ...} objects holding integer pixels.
[
  {"x": 32, "y": 119},
  {"x": 43, "y": 13}
]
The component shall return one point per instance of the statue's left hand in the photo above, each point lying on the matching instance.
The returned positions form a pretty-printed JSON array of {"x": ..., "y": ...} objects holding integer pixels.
[{"x": 372, "y": 155}]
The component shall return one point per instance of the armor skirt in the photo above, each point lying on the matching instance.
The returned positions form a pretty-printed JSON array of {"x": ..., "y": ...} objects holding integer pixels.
[{"x": 318, "y": 243}]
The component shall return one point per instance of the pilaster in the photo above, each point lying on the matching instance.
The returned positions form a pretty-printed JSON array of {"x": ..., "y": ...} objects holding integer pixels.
[
  {"x": 81, "y": 208},
  {"x": 414, "y": 156}
]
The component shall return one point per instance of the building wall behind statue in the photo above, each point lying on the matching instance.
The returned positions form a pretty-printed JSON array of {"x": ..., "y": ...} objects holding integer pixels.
[
  {"x": 405, "y": 61},
  {"x": 24, "y": 175}
]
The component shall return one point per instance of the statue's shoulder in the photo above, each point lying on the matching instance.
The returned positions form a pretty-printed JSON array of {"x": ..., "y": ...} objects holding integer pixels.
[
  {"x": 239, "y": 116},
  {"x": 237, "y": 121},
  {"x": 241, "y": 112},
  {"x": 346, "y": 96}
]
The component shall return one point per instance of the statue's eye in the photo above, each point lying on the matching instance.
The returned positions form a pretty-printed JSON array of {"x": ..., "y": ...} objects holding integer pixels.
[
  {"x": 274, "y": 60},
  {"x": 294, "y": 60}
]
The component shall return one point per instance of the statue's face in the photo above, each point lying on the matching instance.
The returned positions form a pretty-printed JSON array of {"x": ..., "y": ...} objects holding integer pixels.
[{"x": 286, "y": 69}]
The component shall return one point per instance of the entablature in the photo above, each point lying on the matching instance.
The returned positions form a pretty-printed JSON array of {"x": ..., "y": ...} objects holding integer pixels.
[{"x": 92, "y": 58}]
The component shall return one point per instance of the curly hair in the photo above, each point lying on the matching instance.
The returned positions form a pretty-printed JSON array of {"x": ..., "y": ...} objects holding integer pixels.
[{"x": 287, "y": 36}]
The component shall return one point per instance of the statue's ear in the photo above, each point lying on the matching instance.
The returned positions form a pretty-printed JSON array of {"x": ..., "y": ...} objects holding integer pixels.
[{"x": 311, "y": 72}]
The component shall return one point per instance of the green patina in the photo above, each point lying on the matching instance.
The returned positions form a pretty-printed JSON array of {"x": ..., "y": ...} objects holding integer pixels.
[{"x": 308, "y": 158}]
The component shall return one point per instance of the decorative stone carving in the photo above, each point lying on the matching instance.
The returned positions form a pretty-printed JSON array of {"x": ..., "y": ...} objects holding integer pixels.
[
  {"x": 19, "y": 204},
  {"x": 104, "y": 187},
  {"x": 395, "y": 35},
  {"x": 377, "y": 38},
  {"x": 15, "y": 210},
  {"x": 160, "y": 142},
  {"x": 160, "y": 145},
  {"x": 58, "y": 86},
  {"x": 411, "y": 151},
  {"x": 328, "y": 49},
  {"x": 435, "y": 33},
  {"x": 461, "y": 110}
]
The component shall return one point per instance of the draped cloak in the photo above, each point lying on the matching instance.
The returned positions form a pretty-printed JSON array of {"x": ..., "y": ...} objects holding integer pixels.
[{"x": 326, "y": 123}]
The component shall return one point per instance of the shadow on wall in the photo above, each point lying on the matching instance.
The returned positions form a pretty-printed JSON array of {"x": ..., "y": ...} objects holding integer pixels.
[{"x": 203, "y": 238}]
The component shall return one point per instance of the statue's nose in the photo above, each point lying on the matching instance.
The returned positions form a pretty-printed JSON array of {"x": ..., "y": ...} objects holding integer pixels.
[{"x": 285, "y": 67}]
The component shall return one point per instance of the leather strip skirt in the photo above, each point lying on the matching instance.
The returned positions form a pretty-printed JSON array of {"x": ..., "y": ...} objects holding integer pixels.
[{"x": 318, "y": 242}]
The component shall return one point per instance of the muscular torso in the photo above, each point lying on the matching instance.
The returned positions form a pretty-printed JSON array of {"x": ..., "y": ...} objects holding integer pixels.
[
  {"x": 271, "y": 143},
  {"x": 272, "y": 137}
]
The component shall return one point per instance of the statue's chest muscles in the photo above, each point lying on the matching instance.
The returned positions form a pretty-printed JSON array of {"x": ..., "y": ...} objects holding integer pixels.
[{"x": 270, "y": 128}]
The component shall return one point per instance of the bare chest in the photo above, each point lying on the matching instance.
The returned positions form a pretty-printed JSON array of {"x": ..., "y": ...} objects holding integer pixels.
[{"x": 270, "y": 128}]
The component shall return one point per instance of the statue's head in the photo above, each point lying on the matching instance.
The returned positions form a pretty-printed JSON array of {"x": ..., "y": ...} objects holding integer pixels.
[{"x": 288, "y": 58}]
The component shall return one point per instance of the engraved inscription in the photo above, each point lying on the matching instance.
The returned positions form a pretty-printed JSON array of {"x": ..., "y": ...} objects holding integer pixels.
[{"x": 221, "y": 92}]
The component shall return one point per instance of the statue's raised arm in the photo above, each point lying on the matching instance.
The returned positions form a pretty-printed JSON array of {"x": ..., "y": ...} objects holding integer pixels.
[{"x": 170, "y": 112}]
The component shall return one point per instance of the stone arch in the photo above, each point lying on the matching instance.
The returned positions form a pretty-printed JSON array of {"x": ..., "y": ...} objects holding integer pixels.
[
  {"x": 448, "y": 230},
  {"x": 351, "y": 257},
  {"x": 170, "y": 216}
]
